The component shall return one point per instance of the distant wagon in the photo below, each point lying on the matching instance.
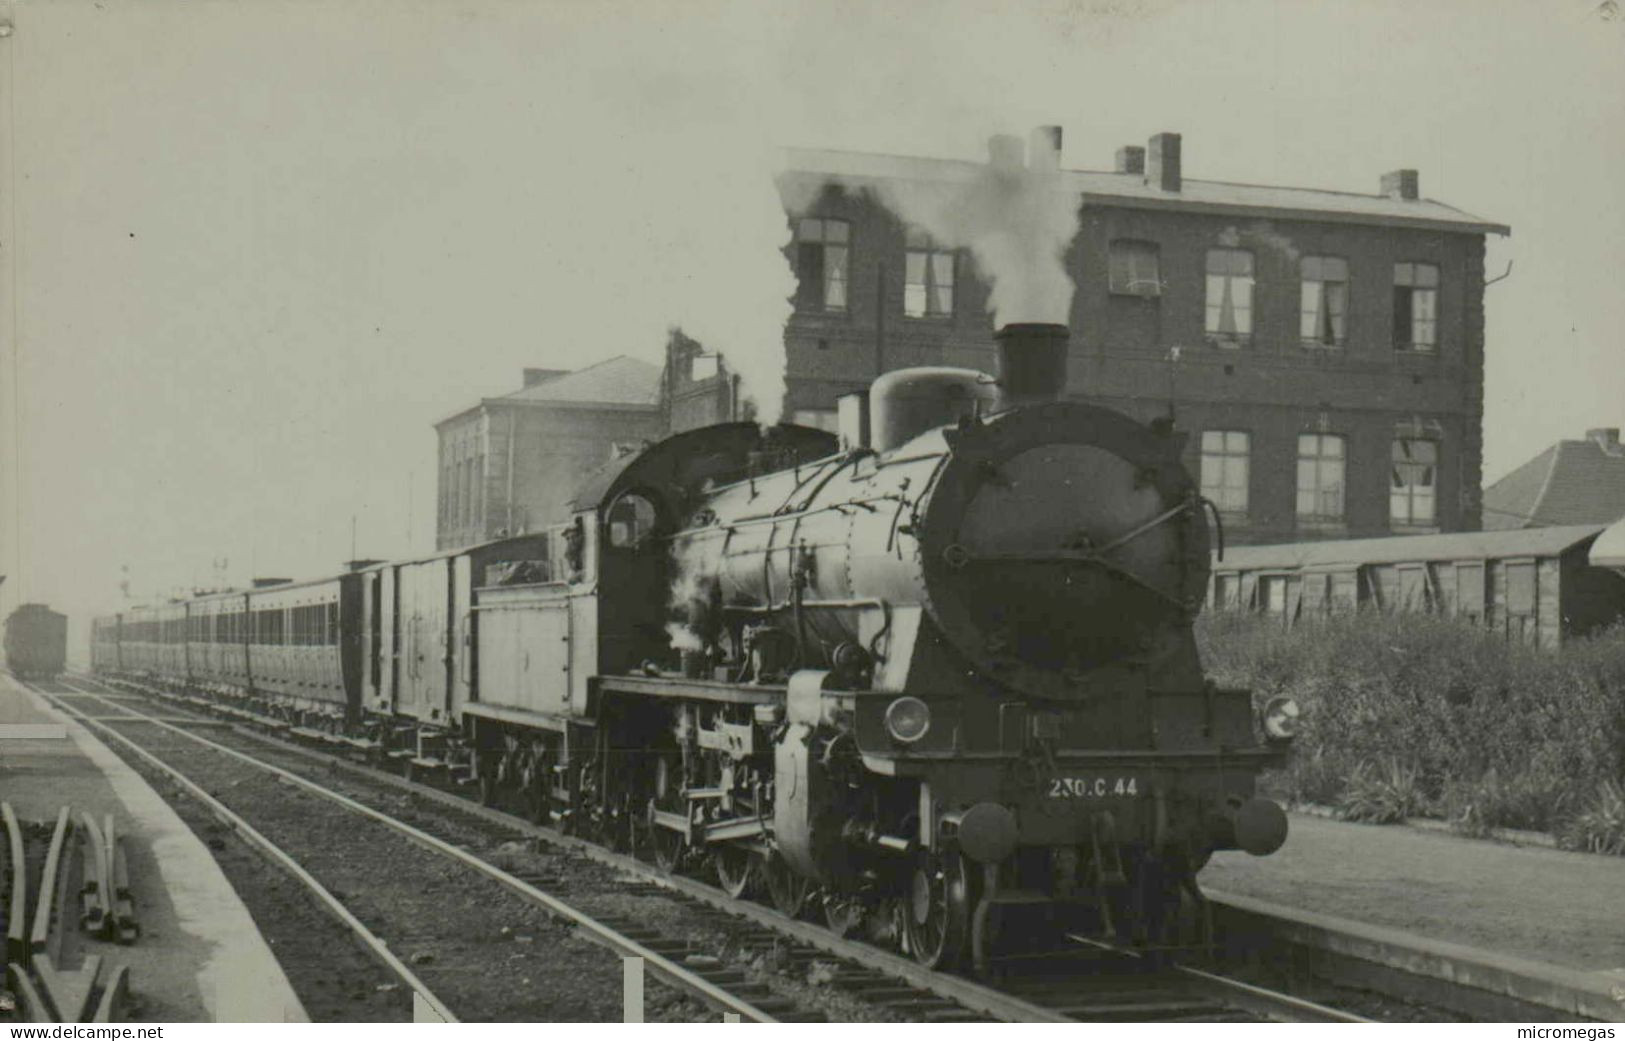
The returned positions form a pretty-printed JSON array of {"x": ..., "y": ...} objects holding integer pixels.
[
  {"x": 36, "y": 642},
  {"x": 1535, "y": 585}
]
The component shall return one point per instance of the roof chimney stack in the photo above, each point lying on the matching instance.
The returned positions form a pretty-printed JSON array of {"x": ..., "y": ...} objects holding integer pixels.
[
  {"x": 1400, "y": 184},
  {"x": 1131, "y": 160},
  {"x": 1605, "y": 438},
  {"x": 535, "y": 376},
  {"x": 1004, "y": 152},
  {"x": 1162, "y": 162},
  {"x": 1044, "y": 149}
]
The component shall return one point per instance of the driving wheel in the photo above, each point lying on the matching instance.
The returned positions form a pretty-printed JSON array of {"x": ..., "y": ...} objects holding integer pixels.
[
  {"x": 736, "y": 869},
  {"x": 937, "y": 922},
  {"x": 787, "y": 889}
]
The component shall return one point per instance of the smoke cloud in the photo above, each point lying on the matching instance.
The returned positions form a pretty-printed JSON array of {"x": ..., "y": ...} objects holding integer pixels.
[{"x": 1016, "y": 218}]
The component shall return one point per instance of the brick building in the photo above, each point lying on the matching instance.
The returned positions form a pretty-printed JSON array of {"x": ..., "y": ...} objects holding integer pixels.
[{"x": 1324, "y": 349}]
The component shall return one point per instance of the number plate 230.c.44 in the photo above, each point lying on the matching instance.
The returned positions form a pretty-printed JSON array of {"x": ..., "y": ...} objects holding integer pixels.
[{"x": 1097, "y": 786}]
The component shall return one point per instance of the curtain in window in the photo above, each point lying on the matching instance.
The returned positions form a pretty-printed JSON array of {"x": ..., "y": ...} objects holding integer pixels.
[
  {"x": 1325, "y": 297},
  {"x": 942, "y": 284},
  {"x": 1133, "y": 269},
  {"x": 835, "y": 278},
  {"x": 914, "y": 285},
  {"x": 1320, "y": 476},
  {"x": 1230, "y": 292}
]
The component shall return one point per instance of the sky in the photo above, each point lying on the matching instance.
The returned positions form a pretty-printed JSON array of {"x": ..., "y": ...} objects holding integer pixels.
[{"x": 251, "y": 251}]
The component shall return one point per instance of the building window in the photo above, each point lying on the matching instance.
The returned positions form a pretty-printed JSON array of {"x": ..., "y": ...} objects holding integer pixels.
[
  {"x": 1325, "y": 301},
  {"x": 1320, "y": 477},
  {"x": 704, "y": 367},
  {"x": 1224, "y": 469},
  {"x": 822, "y": 263},
  {"x": 1229, "y": 296},
  {"x": 928, "y": 289},
  {"x": 1413, "y": 481},
  {"x": 1134, "y": 269},
  {"x": 1416, "y": 307}
]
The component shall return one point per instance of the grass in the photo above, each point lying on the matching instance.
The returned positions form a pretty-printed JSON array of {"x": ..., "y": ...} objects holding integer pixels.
[{"x": 1416, "y": 715}]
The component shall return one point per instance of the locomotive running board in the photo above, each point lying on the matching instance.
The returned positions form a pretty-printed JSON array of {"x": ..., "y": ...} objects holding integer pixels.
[{"x": 722, "y": 831}]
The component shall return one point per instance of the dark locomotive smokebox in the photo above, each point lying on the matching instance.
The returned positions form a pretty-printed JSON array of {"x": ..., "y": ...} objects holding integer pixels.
[{"x": 1032, "y": 362}]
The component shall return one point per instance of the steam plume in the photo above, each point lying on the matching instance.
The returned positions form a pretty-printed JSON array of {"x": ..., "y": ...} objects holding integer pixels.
[{"x": 1017, "y": 219}]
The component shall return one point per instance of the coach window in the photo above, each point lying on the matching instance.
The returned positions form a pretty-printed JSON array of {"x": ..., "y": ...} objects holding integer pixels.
[{"x": 823, "y": 263}]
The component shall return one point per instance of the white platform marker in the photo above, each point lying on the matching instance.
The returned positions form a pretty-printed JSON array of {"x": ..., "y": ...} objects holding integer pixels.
[
  {"x": 422, "y": 1011},
  {"x": 631, "y": 990}
]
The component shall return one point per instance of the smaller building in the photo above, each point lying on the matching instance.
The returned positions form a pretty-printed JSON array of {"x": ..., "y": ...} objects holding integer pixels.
[
  {"x": 508, "y": 464},
  {"x": 1572, "y": 482},
  {"x": 1536, "y": 586}
]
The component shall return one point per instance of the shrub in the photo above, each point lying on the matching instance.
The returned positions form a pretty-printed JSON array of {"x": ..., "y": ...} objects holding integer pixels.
[
  {"x": 1406, "y": 714},
  {"x": 1528, "y": 802},
  {"x": 1600, "y": 826},
  {"x": 1386, "y": 794}
]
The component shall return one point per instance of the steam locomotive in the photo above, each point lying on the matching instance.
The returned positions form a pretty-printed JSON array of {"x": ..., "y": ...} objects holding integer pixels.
[{"x": 936, "y": 678}]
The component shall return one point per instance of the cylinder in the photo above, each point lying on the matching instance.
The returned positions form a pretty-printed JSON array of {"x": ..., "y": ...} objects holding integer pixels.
[{"x": 1032, "y": 363}]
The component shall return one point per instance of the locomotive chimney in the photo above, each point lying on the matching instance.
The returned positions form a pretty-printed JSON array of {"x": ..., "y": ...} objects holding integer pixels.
[{"x": 1032, "y": 363}]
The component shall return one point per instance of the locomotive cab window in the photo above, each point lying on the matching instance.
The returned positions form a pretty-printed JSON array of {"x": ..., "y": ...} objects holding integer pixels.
[{"x": 631, "y": 521}]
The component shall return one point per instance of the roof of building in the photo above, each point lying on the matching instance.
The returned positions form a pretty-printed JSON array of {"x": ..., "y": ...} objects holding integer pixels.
[
  {"x": 1131, "y": 189},
  {"x": 1399, "y": 549},
  {"x": 621, "y": 380},
  {"x": 1571, "y": 482},
  {"x": 1609, "y": 549}
]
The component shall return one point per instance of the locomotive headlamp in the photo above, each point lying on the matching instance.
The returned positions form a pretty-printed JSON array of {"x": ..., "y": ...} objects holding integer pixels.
[
  {"x": 1281, "y": 719},
  {"x": 907, "y": 719}
]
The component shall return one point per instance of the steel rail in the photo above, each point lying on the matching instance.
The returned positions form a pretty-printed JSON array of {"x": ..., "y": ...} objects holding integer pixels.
[
  {"x": 1269, "y": 1003},
  {"x": 47, "y": 904},
  {"x": 247, "y": 831},
  {"x": 661, "y": 966},
  {"x": 17, "y": 916},
  {"x": 1248, "y": 997},
  {"x": 969, "y": 993}
]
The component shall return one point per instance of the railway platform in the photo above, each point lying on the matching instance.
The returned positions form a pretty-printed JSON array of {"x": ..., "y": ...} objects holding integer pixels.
[
  {"x": 199, "y": 957},
  {"x": 1542, "y": 905}
]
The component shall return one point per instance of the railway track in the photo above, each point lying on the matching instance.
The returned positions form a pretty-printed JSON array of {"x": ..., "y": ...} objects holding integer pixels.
[{"x": 1083, "y": 983}]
